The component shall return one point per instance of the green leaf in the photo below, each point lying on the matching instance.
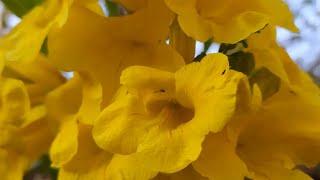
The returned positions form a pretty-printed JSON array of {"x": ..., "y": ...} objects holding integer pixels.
[
  {"x": 268, "y": 82},
  {"x": 207, "y": 45},
  {"x": 113, "y": 8},
  {"x": 44, "y": 48},
  {"x": 242, "y": 62},
  {"x": 21, "y": 7}
]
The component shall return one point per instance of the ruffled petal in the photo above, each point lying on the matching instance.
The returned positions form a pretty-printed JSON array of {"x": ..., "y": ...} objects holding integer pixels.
[
  {"x": 168, "y": 150},
  {"x": 239, "y": 27},
  {"x": 229, "y": 21},
  {"x": 109, "y": 38},
  {"x": 90, "y": 162},
  {"x": 77, "y": 101},
  {"x": 283, "y": 131},
  {"x": 210, "y": 88},
  {"x": 121, "y": 126},
  {"x": 219, "y": 160},
  {"x": 23, "y": 43},
  {"x": 15, "y": 102},
  {"x": 39, "y": 77},
  {"x": 194, "y": 26},
  {"x": 65, "y": 144}
]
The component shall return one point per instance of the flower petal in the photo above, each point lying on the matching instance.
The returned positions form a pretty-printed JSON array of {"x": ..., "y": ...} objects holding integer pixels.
[
  {"x": 90, "y": 162},
  {"x": 109, "y": 38},
  {"x": 128, "y": 167},
  {"x": 65, "y": 145},
  {"x": 121, "y": 126},
  {"x": 210, "y": 88},
  {"x": 219, "y": 160}
]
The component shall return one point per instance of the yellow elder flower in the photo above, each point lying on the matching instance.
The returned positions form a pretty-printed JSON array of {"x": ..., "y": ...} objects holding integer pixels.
[
  {"x": 113, "y": 47},
  {"x": 159, "y": 119},
  {"x": 25, "y": 133},
  {"x": 24, "y": 42},
  {"x": 76, "y": 102},
  {"x": 267, "y": 53},
  {"x": 39, "y": 77},
  {"x": 229, "y": 21},
  {"x": 275, "y": 137},
  {"x": 104, "y": 46},
  {"x": 73, "y": 107},
  {"x": 77, "y": 155},
  {"x": 27, "y": 143},
  {"x": 267, "y": 144}
]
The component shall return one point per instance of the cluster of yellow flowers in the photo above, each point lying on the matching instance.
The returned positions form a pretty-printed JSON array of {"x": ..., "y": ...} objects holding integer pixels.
[{"x": 140, "y": 106}]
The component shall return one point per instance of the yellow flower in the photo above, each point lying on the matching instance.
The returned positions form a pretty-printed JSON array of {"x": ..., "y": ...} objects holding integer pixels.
[
  {"x": 229, "y": 21},
  {"x": 73, "y": 150},
  {"x": 23, "y": 43},
  {"x": 104, "y": 46},
  {"x": 278, "y": 134},
  {"x": 100, "y": 48},
  {"x": 39, "y": 77},
  {"x": 72, "y": 108},
  {"x": 14, "y": 105},
  {"x": 267, "y": 53},
  {"x": 25, "y": 133},
  {"x": 77, "y": 101},
  {"x": 159, "y": 119}
]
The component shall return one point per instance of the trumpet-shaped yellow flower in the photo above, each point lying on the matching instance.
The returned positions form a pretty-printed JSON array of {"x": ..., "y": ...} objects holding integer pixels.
[
  {"x": 274, "y": 138},
  {"x": 160, "y": 119},
  {"x": 39, "y": 77},
  {"x": 24, "y": 42},
  {"x": 267, "y": 53},
  {"x": 104, "y": 46},
  {"x": 229, "y": 21},
  {"x": 103, "y": 62},
  {"x": 268, "y": 144},
  {"x": 73, "y": 150},
  {"x": 25, "y": 133},
  {"x": 14, "y": 105},
  {"x": 77, "y": 101}
]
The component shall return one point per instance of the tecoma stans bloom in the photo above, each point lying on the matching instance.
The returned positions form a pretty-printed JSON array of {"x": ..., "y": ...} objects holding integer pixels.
[
  {"x": 23, "y": 115},
  {"x": 162, "y": 117},
  {"x": 229, "y": 21},
  {"x": 24, "y": 42},
  {"x": 269, "y": 143},
  {"x": 98, "y": 45},
  {"x": 279, "y": 135}
]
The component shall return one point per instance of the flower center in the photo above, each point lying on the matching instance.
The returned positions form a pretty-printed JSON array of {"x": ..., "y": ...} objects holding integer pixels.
[{"x": 164, "y": 105}]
